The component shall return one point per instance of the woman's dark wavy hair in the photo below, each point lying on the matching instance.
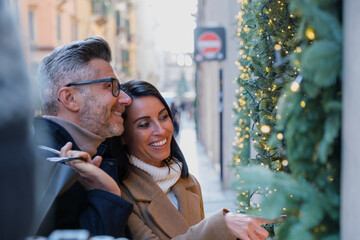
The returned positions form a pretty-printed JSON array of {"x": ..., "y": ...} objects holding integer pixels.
[{"x": 137, "y": 89}]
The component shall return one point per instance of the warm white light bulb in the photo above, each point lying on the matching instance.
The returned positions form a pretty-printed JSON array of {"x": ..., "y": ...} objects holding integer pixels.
[
  {"x": 265, "y": 129},
  {"x": 294, "y": 86}
]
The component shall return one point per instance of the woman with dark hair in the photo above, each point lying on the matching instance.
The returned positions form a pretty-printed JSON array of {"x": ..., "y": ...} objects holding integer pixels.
[{"x": 154, "y": 177}]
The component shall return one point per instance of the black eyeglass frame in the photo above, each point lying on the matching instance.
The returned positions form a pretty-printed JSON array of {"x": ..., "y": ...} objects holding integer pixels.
[{"x": 110, "y": 80}]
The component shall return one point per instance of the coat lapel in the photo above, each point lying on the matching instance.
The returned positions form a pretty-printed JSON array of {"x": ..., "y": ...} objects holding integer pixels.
[
  {"x": 163, "y": 213},
  {"x": 190, "y": 203}
]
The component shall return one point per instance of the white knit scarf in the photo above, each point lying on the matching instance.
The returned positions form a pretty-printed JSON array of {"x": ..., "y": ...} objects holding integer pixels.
[{"x": 165, "y": 177}]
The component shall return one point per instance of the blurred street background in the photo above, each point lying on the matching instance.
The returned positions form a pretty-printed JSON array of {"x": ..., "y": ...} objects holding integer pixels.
[
  {"x": 154, "y": 40},
  {"x": 214, "y": 195},
  {"x": 273, "y": 85}
]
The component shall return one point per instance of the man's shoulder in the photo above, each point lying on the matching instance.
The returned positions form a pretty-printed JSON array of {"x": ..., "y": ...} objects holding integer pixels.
[
  {"x": 50, "y": 133},
  {"x": 44, "y": 123}
]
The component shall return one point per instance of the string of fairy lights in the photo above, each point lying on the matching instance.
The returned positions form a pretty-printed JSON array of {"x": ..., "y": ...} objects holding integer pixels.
[
  {"x": 281, "y": 92},
  {"x": 260, "y": 88},
  {"x": 266, "y": 30}
]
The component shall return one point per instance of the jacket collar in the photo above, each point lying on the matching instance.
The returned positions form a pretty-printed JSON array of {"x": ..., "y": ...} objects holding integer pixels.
[
  {"x": 170, "y": 220},
  {"x": 86, "y": 140},
  {"x": 51, "y": 134},
  {"x": 143, "y": 188}
]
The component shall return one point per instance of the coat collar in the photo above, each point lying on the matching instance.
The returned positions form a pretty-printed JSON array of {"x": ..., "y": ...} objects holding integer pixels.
[
  {"x": 143, "y": 187},
  {"x": 170, "y": 220}
]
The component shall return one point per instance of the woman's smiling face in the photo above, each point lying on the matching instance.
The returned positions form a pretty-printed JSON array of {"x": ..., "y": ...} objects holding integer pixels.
[{"x": 148, "y": 130}]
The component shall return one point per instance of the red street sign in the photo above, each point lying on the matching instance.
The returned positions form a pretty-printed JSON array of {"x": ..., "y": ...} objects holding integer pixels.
[{"x": 209, "y": 44}]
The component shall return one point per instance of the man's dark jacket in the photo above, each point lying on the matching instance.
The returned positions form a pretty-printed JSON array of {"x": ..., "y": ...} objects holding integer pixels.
[{"x": 100, "y": 212}]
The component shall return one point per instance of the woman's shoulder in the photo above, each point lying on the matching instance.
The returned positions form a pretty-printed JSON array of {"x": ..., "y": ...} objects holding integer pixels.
[
  {"x": 190, "y": 182},
  {"x": 193, "y": 179}
]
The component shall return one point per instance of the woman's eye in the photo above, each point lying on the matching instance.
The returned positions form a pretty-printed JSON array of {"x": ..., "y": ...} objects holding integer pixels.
[
  {"x": 143, "y": 124},
  {"x": 163, "y": 117}
]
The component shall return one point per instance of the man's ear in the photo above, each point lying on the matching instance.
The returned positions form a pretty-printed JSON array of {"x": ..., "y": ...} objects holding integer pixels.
[{"x": 69, "y": 98}]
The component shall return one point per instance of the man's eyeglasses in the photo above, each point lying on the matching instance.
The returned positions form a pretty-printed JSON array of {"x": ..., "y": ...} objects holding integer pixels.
[{"x": 115, "y": 84}]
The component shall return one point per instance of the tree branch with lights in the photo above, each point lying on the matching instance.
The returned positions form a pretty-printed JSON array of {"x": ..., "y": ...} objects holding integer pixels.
[{"x": 289, "y": 107}]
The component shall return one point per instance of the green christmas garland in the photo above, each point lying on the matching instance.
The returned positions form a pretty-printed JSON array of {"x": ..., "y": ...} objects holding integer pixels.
[{"x": 289, "y": 86}]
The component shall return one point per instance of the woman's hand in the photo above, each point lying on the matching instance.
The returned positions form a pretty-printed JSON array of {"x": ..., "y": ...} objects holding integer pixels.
[
  {"x": 246, "y": 227},
  {"x": 91, "y": 176}
]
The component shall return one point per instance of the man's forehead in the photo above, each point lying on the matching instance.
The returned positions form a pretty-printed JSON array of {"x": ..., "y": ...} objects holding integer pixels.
[{"x": 102, "y": 68}]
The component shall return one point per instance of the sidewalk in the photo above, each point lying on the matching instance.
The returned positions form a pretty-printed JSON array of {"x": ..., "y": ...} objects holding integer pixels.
[{"x": 202, "y": 168}]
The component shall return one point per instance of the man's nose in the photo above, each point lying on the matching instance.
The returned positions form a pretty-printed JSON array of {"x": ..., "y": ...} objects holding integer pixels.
[{"x": 124, "y": 99}]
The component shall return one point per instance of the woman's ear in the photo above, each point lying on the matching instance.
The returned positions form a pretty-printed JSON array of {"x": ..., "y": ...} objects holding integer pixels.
[{"x": 69, "y": 98}]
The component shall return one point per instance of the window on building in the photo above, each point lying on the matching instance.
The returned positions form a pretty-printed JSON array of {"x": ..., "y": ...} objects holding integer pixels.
[
  {"x": 58, "y": 26},
  {"x": 32, "y": 25},
  {"x": 125, "y": 60},
  {"x": 99, "y": 7},
  {"x": 74, "y": 30},
  {"x": 127, "y": 26},
  {"x": 118, "y": 21}
]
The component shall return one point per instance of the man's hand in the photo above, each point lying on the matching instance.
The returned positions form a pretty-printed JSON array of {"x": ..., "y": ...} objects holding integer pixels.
[
  {"x": 91, "y": 176},
  {"x": 246, "y": 227}
]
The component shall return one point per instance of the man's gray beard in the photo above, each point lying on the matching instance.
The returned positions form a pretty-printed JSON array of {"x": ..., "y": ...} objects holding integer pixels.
[
  {"x": 96, "y": 118},
  {"x": 91, "y": 118}
]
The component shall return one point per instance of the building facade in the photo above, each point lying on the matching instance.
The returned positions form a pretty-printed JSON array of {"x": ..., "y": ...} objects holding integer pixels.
[
  {"x": 218, "y": 136},
  {"x": 47, "y": 24}
]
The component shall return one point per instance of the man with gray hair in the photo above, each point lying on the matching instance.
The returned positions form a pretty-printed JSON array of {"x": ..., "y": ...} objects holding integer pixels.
[{"x": 83, "y": 104}]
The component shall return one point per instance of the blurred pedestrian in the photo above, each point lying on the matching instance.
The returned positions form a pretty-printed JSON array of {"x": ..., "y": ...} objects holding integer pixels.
[
  {"x": 16, "y": 149},
  {"x": 176, "y": 118}
]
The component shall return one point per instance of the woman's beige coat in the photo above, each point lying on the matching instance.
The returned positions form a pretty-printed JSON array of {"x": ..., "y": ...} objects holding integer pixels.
[{"x": 155, "y": 217}]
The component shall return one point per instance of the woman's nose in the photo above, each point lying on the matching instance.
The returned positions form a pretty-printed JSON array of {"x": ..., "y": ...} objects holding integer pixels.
[{"x": 158, "y": 128}]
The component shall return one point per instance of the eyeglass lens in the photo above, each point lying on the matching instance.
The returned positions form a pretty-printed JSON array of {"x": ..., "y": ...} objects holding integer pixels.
[{"x": 115, "y": 87}]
